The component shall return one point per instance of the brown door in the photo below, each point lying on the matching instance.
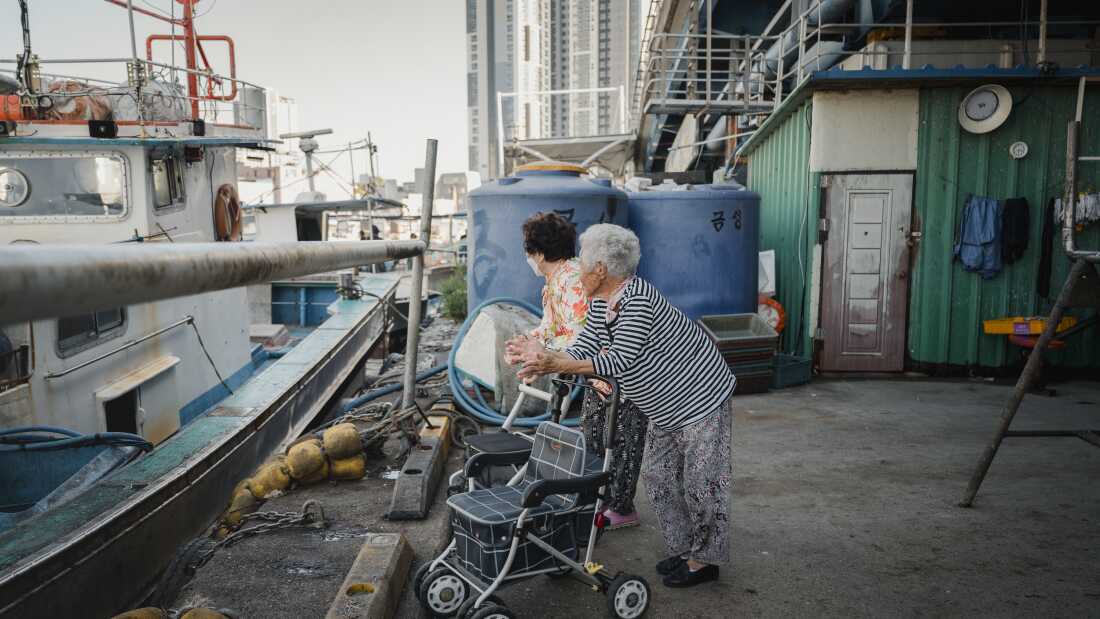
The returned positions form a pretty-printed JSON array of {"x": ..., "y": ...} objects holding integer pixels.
[{"x": 865, "y": 279}]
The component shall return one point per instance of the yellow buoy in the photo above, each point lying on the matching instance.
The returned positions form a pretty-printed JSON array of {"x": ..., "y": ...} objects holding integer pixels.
[
  {"x": 342, "y": 441},
  {"x": 272, "y": 476},
  {"x": 203, "y": 613},
  {"x": 319, "y": 475},
  {"x": 354, "y": 467},
  {"x": 143, "y": 613},
  {"x": 242, "y": 502},
  {"x": 304, "y": 459}
]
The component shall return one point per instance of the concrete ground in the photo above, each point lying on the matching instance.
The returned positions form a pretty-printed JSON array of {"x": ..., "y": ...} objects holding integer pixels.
[
  {"x": 844, "y": 505},
  {"x": 296, "y": 573}
]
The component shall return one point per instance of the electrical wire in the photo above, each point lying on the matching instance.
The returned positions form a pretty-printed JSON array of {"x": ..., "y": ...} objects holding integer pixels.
[
  {"x": 297, "y": 180},
  {"x": 206, "y": 352}
]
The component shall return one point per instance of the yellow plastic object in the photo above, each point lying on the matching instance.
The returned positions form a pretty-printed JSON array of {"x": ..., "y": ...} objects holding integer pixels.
[
  {"x": 143, "y": 613},
  {"x": 354, "y": 467},
  {"x": 272, "y": 476},
  {"x": 1021, "y": 325},
  {"x": 342, "y": 441},
  {"x": 203, "y": 613},
  {"x": 243, "y": 502},
  {"x": 553, "y": 166},
  {"x": 321, "y": 474},
  {"x": 359, "y": 588},
  {"x": 304, "y": 459}
]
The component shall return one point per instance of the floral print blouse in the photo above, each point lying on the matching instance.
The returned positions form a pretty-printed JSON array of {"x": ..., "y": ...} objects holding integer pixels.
[{"x": 564, "y": 307}]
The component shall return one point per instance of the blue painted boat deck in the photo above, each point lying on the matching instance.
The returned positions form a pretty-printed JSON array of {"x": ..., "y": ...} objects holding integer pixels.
[{"x": 173, "y": 459}]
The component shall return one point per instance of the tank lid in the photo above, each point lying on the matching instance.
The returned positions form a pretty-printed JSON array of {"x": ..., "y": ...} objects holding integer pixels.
[{"x": 552, "y": 166}]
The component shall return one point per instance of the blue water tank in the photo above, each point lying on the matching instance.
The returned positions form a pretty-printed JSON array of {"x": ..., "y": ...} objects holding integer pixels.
[
  {"x": 699, "y": 246},
  {"x": 497, "y": 266}
]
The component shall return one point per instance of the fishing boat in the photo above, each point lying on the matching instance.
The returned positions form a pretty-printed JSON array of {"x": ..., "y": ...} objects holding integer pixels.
[{"x": 131, "y": 396}]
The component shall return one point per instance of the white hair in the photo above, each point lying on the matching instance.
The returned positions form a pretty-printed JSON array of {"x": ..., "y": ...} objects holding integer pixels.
[{"x": 615, "y": 246}]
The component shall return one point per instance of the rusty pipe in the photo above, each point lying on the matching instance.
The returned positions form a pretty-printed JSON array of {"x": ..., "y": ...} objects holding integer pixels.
[{"x": 48, "y": 281}]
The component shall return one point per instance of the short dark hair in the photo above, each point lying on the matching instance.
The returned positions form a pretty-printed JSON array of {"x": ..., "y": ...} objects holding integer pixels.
[{"x": 551, "y": 235}]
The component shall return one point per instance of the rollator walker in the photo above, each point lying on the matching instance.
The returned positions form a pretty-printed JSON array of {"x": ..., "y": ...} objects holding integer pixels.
[
  {"x": 508, "y": 441},
  {"x": 538, "y": 523}
]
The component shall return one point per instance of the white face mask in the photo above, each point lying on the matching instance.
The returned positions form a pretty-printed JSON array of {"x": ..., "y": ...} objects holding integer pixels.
[{"x": 534, "y": 266}]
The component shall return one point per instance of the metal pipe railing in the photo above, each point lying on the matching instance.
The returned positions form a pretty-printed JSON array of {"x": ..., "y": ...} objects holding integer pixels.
[
  {"x": 412, "y": 342},
  {"x": 127, "y": 346},
  {"x": 48, "y": 281},
  {"x": 682, "y": 65}
]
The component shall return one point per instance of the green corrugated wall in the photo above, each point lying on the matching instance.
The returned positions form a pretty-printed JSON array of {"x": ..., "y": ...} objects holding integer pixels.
[
  {"x": 948, "y": 304},
  {"x": 779, "y": 172}
]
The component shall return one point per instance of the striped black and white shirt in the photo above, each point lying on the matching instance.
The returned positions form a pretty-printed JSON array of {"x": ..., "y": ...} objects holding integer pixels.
[{"x": 664, "y": 362}]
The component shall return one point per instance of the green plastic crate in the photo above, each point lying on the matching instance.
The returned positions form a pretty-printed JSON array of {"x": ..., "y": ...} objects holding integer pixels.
[{"x": 791, "y": 371}]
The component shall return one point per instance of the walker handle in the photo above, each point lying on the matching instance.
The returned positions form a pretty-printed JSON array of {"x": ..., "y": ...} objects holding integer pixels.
[{"x": 612, "y": 410}]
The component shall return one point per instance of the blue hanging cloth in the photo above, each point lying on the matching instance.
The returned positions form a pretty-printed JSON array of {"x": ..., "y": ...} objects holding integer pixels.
[{"x": 979, "y": 237}]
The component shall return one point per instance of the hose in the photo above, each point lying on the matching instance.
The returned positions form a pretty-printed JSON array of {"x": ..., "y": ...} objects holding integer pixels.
[
  {"x": 481, "y": 410},
  {"x": 377, "y": 393},
  {"x": 50, "y": 429},
  {"x": 32, "y": 442}
]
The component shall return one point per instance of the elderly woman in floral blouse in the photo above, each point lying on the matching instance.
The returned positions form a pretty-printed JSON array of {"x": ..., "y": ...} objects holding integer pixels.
[{"x": 549, "y": 241}]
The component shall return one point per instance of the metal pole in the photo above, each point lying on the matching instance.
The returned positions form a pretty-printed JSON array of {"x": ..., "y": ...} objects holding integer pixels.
[
  {"x": 309, "y": 171},
  {"x": 351, "y": 161},
  {"x": 622, "y": 110},
  {"x": 905, "y": 59},
  {"x": 1023, "y": 384},
  {"x": 408, "y": 398},
  {"x": 500, "y": 135},
  {"x": 133, "y": 37},
  {"x": 710, "y": 15},
  {"x": 1042, "y": 31},
  {"x": 48, "y": 281}
]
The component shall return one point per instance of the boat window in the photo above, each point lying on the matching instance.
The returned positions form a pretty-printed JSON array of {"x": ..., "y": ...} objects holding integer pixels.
[
  {"x": 250, "y": 226},
  {"x": 62, "y": 184},
  {"x": 167, "y": 181},
  {"x": 76, "y": 332}
]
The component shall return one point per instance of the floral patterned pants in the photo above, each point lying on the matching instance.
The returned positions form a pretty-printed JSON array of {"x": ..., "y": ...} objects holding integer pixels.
[
  {"x": 687, "y": 478},
  {"x": 627, "y": 451}
]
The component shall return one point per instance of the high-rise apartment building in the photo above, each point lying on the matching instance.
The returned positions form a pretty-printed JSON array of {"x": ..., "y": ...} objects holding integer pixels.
[{"x": 530, "y": 46}]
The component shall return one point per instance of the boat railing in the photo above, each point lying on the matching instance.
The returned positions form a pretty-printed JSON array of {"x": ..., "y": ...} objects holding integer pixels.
[
  {"x": 157, "y": 93},
  {"x": 136, "y": 90}
]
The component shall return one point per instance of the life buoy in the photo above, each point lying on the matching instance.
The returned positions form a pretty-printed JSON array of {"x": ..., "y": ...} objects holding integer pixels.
[
  {"x": 227, "y": 214},
  {"x": 773, "y": 313}
]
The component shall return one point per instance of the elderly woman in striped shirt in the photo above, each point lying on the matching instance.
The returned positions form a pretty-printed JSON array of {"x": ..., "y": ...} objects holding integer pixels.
[
  {"x": 550, "y": 241},
  {"x": 668, "y": 367}
]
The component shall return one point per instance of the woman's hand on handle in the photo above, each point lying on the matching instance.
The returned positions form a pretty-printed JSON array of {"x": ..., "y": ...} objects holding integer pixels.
[{"x": 551, "y": 362}]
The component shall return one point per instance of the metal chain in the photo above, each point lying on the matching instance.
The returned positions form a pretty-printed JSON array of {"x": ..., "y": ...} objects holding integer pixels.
[{"x": 312, "y": 515}]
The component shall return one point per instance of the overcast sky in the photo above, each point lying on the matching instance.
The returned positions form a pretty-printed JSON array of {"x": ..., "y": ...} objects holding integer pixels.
[{"x": 395, "y": 68}]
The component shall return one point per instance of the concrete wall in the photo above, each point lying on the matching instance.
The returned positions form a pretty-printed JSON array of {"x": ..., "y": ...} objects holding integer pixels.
[{"x": 864, "y": 130}]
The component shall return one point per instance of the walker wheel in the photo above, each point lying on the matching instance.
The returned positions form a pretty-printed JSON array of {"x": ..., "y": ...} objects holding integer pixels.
[
  {"x": 627, "y": 596},
  {"x": 418, "y": 579},
  {"x": 492, "y": 611},
  {"x": 466, "y": 611},
  {"x": 442, "y": 592}
]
